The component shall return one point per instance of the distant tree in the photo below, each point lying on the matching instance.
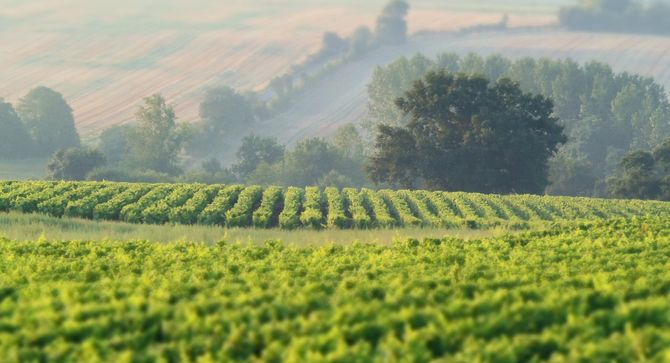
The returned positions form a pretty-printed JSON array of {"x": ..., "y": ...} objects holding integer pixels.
[
  {"x": 74, "y": 163},
  {"x": 14, "y": 139},
  {"x": 360, "y": 42},
  {"x": 391, "y": 25},
  {"x": 618, "y": 16},
  {"x": 466, "y": 134},
  {"x": 605, "y": 114},
  {"x": 157, "y": 140},
  {"x": 212, "y": 166},
  {"x": 309, "y": 161},
  {"x": 331, "y": 45},
  {"x": 114, "y": 143},
  {"x": 49, "y": 120},
  {"x": 349, "y": 141},
  {"x": 312, "y": 161},
  {"x": 254, "y": 151},
  {"x": 643, "y": 175},
  {"x": 226, "y": 113}
]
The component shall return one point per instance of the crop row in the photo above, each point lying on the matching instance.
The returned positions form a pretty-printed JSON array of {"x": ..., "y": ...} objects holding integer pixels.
[
  {"x": 592, "y": 292},
  {"x": 311, "y": 207}
]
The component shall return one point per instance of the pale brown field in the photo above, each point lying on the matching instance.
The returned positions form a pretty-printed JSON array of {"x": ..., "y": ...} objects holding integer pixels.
[
  {"x": 341, "y": 97},
  {"x": 106, "y": 56}
]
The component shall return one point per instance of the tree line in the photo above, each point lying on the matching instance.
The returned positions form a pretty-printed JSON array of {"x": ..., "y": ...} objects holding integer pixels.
[
  {"x": 605, "y": 114},
  {"x": 622, "y": 16},
  {"x": 459, "y": 124}
]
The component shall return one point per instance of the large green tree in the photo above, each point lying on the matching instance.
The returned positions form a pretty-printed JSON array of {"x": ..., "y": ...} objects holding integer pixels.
[
  {"x": 605, "y": 114},
  {"x": 469, "y": 135},
  {"x": 14, "y": 139},
  {"x": 49, "y": 120},
  {"x": 157, "y": 139}
]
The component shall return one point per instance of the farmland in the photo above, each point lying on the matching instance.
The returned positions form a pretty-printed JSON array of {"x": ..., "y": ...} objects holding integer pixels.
[
  {"x": 237, "y": 206},
  {"x": 341, "y": 97},
  {"x": 105, "y": 60},
  {"x": 591, "y": 292}
]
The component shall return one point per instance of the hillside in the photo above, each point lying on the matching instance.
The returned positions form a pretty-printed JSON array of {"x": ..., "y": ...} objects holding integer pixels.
[
  {"x": 105, "y": 57},
  {"x": 341, "y": 97}
]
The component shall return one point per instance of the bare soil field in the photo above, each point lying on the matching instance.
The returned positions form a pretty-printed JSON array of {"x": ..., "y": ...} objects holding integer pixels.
[{"x": 106, "y": 56}]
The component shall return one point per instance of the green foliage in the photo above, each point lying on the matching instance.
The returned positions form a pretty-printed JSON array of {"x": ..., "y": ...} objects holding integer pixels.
[
  {"x": 588, "y": 292},
  {"x": 468, "y": 135},
  {"x": 226, "y": 113},
  {"x": 311, "y": 207},
  {"x": 358, "y": 207},
  {"x": 14, "y": 139},
  {"x": 159, "y": 212},
  {"x": 380, "y": 209},
  {"x": 111, "y": 209},
  {"x": 254, "y": 151},
  {"x": 189, "y": 212},
  {"x": 133, "y": 212},
  {"x": 114, "y": 143},
  {"x": 49, "y": 120},
  {"x": 312, "y": 215},
  {"x": 290, "y": 215},
  {"x": 336, "y": 205},
  {"x": 215, "y": 213},
  {"x": 241, "y": 215},
  {"x": 644, "y": 175},
  {"x": 605, "y": 114},
  {"x": 56, "y": 204},
  {"x": 157, "y": 140},
  {"x": 74, "y": 163},
  {"x": 85, "y": 207},
  {"x": 267, "y": 214}
]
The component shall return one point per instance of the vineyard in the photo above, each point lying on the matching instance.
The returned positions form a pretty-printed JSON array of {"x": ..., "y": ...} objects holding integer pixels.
[
  {"x": 312, "y": 207},
  {"x": 593, "y": 292}
]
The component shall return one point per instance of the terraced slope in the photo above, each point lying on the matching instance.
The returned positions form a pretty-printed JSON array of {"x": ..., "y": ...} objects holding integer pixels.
[{"x": 312, "y": 207}]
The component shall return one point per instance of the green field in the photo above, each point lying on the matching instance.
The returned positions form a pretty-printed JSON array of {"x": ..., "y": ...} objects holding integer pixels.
[
  {"x": 30, "y": 227},
  {"x": 592, "y": 292},
  {"x": 237, "y": 206}
]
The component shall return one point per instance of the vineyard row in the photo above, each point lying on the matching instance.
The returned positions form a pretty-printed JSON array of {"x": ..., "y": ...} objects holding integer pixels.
[{"x": 311, "y": 207}]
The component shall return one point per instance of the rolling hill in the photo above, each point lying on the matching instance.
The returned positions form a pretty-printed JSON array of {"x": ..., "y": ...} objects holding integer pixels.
[
  {"x": 341, "y": 97},
  {"x": 105, "y": 57}
]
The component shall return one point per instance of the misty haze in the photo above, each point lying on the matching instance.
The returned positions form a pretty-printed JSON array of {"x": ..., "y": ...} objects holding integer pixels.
[{"x": 334, "y": 181}]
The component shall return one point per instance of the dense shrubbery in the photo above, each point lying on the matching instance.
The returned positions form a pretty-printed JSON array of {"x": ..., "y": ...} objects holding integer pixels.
[{"x": 593, "y": 292}]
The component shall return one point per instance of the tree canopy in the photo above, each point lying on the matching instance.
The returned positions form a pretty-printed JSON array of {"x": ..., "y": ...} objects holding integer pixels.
[
  {"x": 49, "y": 120},
  {"x": 14, "y": 139},
  {"x": 74, "y": 163},
  {"x": 605, "y": 114},
  {"x": 157, "y": 140},
  {"x": 643, "y": 175},
  {"x": 466, "y": 134}
]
